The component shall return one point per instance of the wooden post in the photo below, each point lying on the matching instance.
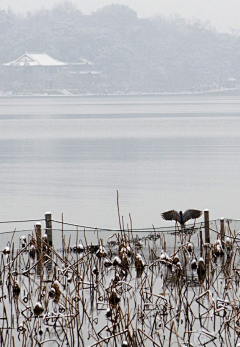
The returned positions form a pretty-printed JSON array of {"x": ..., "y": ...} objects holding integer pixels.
[
  {"x": 39, "y": 236},
  {"x": 222, "y": 230},
  {"x": 207, "y": 241},
  {"x": 206, "y": 223},
  {"x": 38, "y": 228},
  {"x": 48, "y": 223},
  {"x": 201, "y": 242}
]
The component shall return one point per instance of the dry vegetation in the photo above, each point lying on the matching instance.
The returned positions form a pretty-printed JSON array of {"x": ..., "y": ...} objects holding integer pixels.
[{"x": 125, "y": 291}]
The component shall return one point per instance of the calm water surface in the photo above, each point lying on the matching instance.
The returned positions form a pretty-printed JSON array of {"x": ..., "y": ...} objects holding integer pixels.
[{"x": 71, "y": 155}]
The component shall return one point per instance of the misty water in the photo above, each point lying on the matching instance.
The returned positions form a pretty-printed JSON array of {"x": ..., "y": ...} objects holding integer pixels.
[{"x": 70, "y": 156}]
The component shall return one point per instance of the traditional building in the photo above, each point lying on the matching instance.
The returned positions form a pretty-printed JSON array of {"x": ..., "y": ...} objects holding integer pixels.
[
  {"x": 39, "y": 71},
  {"x": 231, "y": 82},
  {"x": 82, "y": 73}
]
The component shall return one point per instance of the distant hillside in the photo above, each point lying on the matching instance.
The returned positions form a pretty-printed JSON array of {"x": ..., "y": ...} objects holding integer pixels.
[{"x": 150, "y": 55}]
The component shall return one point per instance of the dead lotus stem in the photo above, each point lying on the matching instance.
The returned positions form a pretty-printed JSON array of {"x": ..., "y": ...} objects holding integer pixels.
[
  {"x": 149, "y": 337},
  {"x": 108, "y": 338}
]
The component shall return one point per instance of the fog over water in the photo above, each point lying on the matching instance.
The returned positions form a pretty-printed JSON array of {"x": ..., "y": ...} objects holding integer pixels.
[{"x": 73, "y": 159}]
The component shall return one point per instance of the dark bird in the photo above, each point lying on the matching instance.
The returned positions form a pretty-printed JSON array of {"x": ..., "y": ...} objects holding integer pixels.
[{"x": 181, "y": 217}]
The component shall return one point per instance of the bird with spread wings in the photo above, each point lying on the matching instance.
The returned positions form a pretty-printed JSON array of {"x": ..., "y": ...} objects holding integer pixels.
[{"x": 181, "y": 217}]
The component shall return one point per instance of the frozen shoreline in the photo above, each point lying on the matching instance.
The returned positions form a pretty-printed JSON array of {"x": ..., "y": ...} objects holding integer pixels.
[{"x": 59, "y": 93}]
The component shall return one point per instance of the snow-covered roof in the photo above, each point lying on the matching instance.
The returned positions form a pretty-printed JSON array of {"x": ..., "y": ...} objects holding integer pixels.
[
  {"x": 82, "y": 62},
  {"x": 35, "y": 59},
  {"x": 231, "y": 79}
]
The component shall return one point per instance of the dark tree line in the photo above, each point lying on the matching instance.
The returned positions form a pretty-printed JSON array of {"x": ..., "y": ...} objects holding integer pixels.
[{"x": 151, "y": 54}]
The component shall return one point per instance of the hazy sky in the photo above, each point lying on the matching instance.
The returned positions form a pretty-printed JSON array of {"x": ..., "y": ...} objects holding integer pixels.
[{"x": 223, "y": 14}]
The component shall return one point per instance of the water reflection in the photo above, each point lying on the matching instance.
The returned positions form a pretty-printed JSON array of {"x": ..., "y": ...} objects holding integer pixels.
[{"x": 67, "y": 161}]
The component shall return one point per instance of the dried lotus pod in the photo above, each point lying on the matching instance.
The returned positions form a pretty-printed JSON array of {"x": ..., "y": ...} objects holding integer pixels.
[
  {"x": 201, "y": 270},
  {"x": 38, "y": 308},
  {"x": 107, "y": 263},
  {"x": 194, "y": 264},
  {"x": 139, "y": 264},
  {"x": 32, "y": 251},
  {"x": 16, "y": 289},
  {"x": 55, "y": 291},
  {"x": 6, "y": 250},
  {"x": 80, "y": 248},
  {"x": 101, "y": 252},
  {"x": 114, "y": 298},
  {"x": 117, "y": 261}
]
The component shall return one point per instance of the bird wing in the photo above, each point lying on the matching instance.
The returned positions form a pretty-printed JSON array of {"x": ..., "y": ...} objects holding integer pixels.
[
  {"x": 191, "y": 214},
  {"x": 171, "y": 215}
]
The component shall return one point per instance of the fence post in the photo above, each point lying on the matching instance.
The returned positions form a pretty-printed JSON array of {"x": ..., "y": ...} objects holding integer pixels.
[
  {"x": 48, "y": 223},
  {"x": 206, "y": 223},
  {"x": 38, "y": 227},
  {"x": 201, "y": 242},
  {"x": 222, "y": 230},
  {"x": 207, "y": 241}
]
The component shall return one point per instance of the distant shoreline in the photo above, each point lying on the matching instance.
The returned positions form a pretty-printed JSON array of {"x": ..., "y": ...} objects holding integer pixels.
[{"x": 223, "y": 92}]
